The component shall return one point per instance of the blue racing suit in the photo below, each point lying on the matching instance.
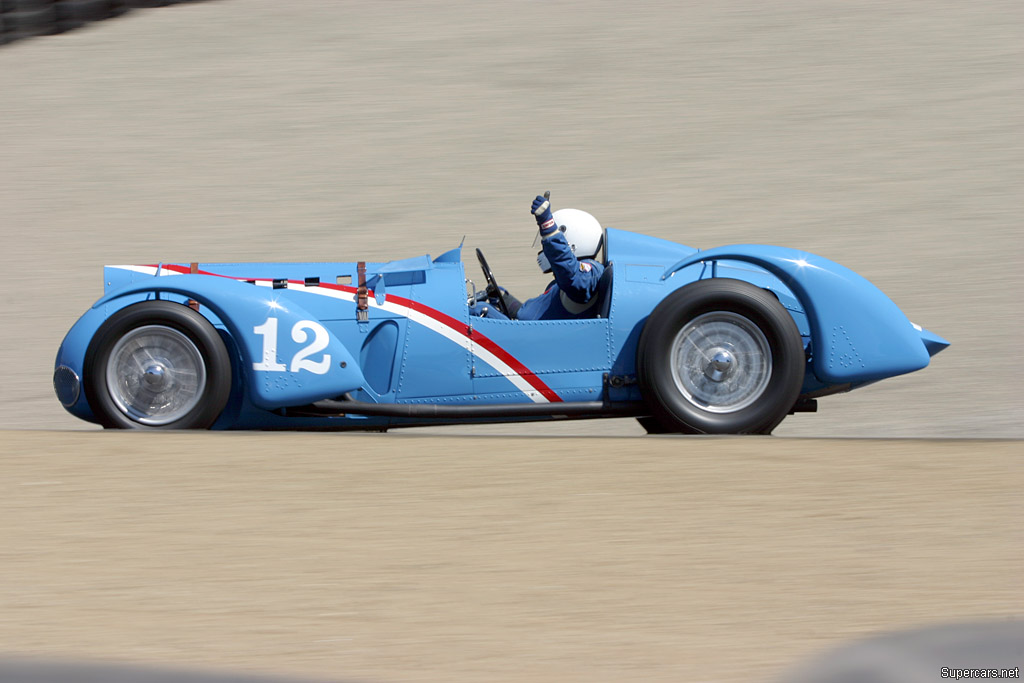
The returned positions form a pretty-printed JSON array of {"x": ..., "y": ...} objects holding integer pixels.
[{"x": 572, "y": 294}]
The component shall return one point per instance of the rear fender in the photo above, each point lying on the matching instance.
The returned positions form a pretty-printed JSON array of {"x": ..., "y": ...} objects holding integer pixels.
[
  {"x": 289, "y": 357},
  {"x": 858, "y": 334}
]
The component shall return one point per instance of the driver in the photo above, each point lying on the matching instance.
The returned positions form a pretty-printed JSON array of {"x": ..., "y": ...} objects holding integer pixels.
[{"x": 570, "y": 240}]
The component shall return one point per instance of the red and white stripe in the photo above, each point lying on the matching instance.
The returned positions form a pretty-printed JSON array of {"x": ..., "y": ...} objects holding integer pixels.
[{"x": 481, "y": 346}]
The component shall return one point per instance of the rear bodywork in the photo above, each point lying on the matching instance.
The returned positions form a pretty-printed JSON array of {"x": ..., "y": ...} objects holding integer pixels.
[{"x": 303, "y": 333}]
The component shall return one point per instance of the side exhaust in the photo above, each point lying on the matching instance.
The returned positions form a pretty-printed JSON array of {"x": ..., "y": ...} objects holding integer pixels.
[{"x": 432, "y": 410}]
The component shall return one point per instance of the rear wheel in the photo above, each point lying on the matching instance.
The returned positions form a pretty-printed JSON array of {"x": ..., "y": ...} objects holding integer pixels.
[
  {"x": 157, "y": 365},
  {"x": 720, "y": 356}
]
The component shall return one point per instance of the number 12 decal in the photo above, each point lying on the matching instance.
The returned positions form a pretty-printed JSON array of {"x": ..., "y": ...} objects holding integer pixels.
[{"x": 268, "y": 330}]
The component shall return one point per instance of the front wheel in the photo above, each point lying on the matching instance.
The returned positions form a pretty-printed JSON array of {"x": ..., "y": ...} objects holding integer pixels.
[
  {"x": 720, "y": 356},
  {"x": 157, "y": 365}
]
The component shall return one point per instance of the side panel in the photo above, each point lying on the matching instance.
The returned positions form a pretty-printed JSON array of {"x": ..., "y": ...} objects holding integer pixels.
[
  {"x": 640, "y": 262},
  {"x": 436, "y": 356},
  {"x": 569, "y": 356},
  {"x": 377, "y": 356},
  {"x": 413, "y": 343},
  {"x": 289, "y": 357},
  {"x": 859, "y": 334}
]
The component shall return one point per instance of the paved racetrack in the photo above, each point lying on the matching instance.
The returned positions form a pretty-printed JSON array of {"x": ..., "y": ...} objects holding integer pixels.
[{"x": 886, "y": 137}]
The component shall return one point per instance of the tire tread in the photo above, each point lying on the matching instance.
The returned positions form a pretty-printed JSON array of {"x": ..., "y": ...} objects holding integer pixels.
[
  {"x": 670, "y": 408},
  {"x": 182, "y": 318}
]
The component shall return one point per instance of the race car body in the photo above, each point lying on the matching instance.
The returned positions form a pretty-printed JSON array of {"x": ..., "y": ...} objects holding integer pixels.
[{"x": 727, "y": 340}]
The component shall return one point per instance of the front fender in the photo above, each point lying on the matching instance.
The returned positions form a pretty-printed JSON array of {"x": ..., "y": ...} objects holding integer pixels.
[
  {"x": 288, "y": 356},
  {"x": 858, "y": 334}
]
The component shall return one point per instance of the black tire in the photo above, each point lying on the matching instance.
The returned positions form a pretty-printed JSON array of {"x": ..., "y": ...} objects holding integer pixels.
[
  {"x": 181, "y": 331},
  {"x": 756, "y": 372}
]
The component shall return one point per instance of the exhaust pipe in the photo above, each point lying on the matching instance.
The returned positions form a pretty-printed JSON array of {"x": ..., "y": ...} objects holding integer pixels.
[{"x": 433, "y": 410}]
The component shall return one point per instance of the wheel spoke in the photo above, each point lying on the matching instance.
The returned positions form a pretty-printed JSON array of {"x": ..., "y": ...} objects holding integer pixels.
[
  {"x": 722, "y": 362},
  {"x": 697, "y": 347},
  {"x": 156, "y": 375}
]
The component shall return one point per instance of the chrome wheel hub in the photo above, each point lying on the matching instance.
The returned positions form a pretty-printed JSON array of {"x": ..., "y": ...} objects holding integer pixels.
[
  {"x": 721, "y": 362},
  {"x": 721, "y": 365},
  {"x": 155, "y": 375}
]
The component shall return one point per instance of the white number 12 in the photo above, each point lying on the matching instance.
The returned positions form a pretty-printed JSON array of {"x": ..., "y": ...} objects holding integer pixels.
[{"x": 268, "y": 330}]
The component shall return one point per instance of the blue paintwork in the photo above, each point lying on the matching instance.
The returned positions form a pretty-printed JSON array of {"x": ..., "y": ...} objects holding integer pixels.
[
  {"x": 242, "y": 307},
  {"x": 860, "y": 334},
  {"x": 418, "y": 343}
]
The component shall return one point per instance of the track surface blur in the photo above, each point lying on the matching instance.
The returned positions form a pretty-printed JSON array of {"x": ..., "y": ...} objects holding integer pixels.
[
  {"x": 887, "y": 138},
  {"x": 396, "y": 557}
]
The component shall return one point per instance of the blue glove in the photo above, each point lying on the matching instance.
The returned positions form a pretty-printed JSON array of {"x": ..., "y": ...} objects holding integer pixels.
[{"x": 541, "y": 210}]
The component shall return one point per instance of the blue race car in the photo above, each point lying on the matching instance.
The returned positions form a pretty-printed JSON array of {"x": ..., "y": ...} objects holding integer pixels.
[{"x": 728, "y": 340}]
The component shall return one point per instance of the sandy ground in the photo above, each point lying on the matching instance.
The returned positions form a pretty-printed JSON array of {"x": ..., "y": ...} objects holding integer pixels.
[
  {"x": 404, "y": 558},
  {"x": 887, "y": 137}
]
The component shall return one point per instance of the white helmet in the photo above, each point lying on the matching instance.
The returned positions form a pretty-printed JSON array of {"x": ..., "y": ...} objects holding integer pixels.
[{"x": 582, "y": 231}]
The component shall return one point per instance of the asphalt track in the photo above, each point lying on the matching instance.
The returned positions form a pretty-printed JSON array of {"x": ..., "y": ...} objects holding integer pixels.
[{"x": 885, "y": 137}]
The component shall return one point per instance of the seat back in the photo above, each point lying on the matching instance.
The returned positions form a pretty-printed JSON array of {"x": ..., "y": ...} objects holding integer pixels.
[{"x": 604, "y": 291}]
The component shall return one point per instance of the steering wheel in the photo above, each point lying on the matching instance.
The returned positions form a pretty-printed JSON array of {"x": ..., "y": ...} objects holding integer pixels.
[{"x": 493, "y": 290}]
